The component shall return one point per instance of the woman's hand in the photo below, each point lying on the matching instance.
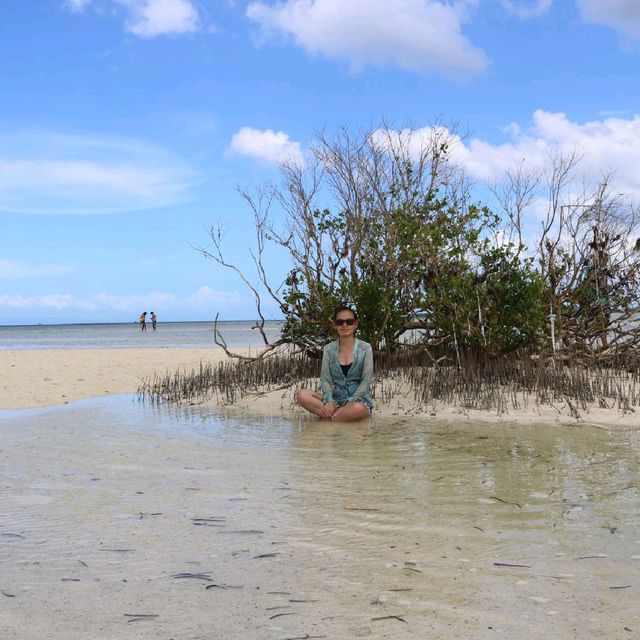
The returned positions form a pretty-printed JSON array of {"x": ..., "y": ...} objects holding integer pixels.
[{"x": 328, "y": 410}]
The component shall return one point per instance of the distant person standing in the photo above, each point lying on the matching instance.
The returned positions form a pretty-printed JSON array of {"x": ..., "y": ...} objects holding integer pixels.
[
  {"x": 154, "y": 320},
  {"x": 143, "y": 321}
]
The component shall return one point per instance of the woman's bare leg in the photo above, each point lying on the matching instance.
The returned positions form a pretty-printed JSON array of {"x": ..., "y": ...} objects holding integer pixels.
[
  {"x": 351, "y": 412},
  {"x": 311, "y": 401}
]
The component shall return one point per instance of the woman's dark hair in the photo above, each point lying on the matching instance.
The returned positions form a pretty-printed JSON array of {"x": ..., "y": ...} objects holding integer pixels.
[{"x": 344, "y": 307}]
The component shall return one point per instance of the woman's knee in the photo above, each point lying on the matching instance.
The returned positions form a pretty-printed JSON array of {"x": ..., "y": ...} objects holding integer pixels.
[
  {"x": 352, "y": 411},
  {"x": 361, "y": 410},
  {"x": 302, "y": 395}
]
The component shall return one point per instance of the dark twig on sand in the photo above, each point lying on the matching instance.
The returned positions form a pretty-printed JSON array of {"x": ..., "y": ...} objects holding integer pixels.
[
  {"x": 514, "y": 504},
  {"x": 136, "y": 617},
  {"x": 388, "y": 618},
  {"x": 224, "y": 586}
]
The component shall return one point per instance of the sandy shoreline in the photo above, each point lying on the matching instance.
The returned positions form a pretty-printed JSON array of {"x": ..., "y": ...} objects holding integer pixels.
[
  {"x": 126, "y": 520},
  {"x": 48, "y": 377}
]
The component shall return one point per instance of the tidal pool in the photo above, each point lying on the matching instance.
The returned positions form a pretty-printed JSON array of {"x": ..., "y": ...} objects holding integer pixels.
[{"x": 122, "y": 520}]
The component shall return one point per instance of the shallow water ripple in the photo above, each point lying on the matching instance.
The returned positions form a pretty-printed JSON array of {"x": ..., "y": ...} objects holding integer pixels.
[{"x": 201, "y": 523}]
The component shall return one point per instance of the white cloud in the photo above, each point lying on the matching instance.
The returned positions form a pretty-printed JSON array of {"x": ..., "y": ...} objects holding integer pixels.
[
  {"x": 77, "y": 5},
  {"x": 207, "y": 295},
  {"x": 611, "y": 144},
  {"x": 150, "y": 18},
  {"x": 52, "y": 301},
  {"x": 527, "y": 8},
  {"x": 273, "y": 147},
  {"x": 108, "y": 301},
  {"x": 48, "y": 173},
  {"x": 621, "y": 15},
  {"x": 418, "y": 35},
  {"x": 13, "y": 270},
  {"x": 204, "y": 298}
]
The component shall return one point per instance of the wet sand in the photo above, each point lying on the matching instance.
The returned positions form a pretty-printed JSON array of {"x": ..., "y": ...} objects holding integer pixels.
[{"x": 120, "y": 520}]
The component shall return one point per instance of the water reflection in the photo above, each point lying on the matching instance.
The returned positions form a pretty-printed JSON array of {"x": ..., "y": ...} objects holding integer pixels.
[
  {"x": 459, "y": 530},
  {"x": 474, "y": 515},
  {"x": 489, "y": 476}
]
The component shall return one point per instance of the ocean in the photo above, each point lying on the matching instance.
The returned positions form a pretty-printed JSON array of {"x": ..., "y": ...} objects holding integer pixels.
[{"x": 169, "y": 335}]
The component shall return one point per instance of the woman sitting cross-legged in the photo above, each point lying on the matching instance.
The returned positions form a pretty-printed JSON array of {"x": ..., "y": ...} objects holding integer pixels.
[{"x": 345, "y": 376}]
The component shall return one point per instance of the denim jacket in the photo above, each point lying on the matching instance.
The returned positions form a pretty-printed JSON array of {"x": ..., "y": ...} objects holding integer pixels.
[{"x": 355, "y": 386}]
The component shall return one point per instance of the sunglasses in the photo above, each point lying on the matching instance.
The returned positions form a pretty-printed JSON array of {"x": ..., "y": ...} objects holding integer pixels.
[{"x": 348, "y": 321}]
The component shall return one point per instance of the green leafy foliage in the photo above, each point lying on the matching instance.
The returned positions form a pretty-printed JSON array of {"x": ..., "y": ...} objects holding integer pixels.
[{"x": 388, "y": 226}]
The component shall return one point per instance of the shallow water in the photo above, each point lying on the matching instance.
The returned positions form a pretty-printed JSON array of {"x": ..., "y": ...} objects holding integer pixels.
[
  {"x": 169, "y": 335},
  {"x": 393, "y": 528}
]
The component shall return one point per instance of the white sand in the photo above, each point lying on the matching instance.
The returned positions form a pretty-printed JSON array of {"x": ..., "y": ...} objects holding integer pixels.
[
  {"x": 47, "y": 377},
  {"x": 40, "y": 378},
  {"x": 402, "y": 404}
]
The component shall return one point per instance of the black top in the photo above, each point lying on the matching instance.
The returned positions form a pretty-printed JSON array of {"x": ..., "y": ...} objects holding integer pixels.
[{"x": 345, "y": 368}]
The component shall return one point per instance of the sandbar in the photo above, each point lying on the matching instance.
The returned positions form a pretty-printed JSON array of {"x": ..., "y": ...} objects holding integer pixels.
[{"x": 49, "y": 377}]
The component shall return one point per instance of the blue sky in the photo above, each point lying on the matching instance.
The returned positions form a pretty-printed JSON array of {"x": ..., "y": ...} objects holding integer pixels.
[{"x": 127, "y": 125}]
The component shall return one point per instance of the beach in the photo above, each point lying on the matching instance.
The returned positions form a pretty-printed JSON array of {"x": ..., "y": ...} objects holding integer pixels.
[
  {"x": 46, "y": 377},
  {"x": 128, "y": 520},
  {"x": 31, "y": 378}
]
